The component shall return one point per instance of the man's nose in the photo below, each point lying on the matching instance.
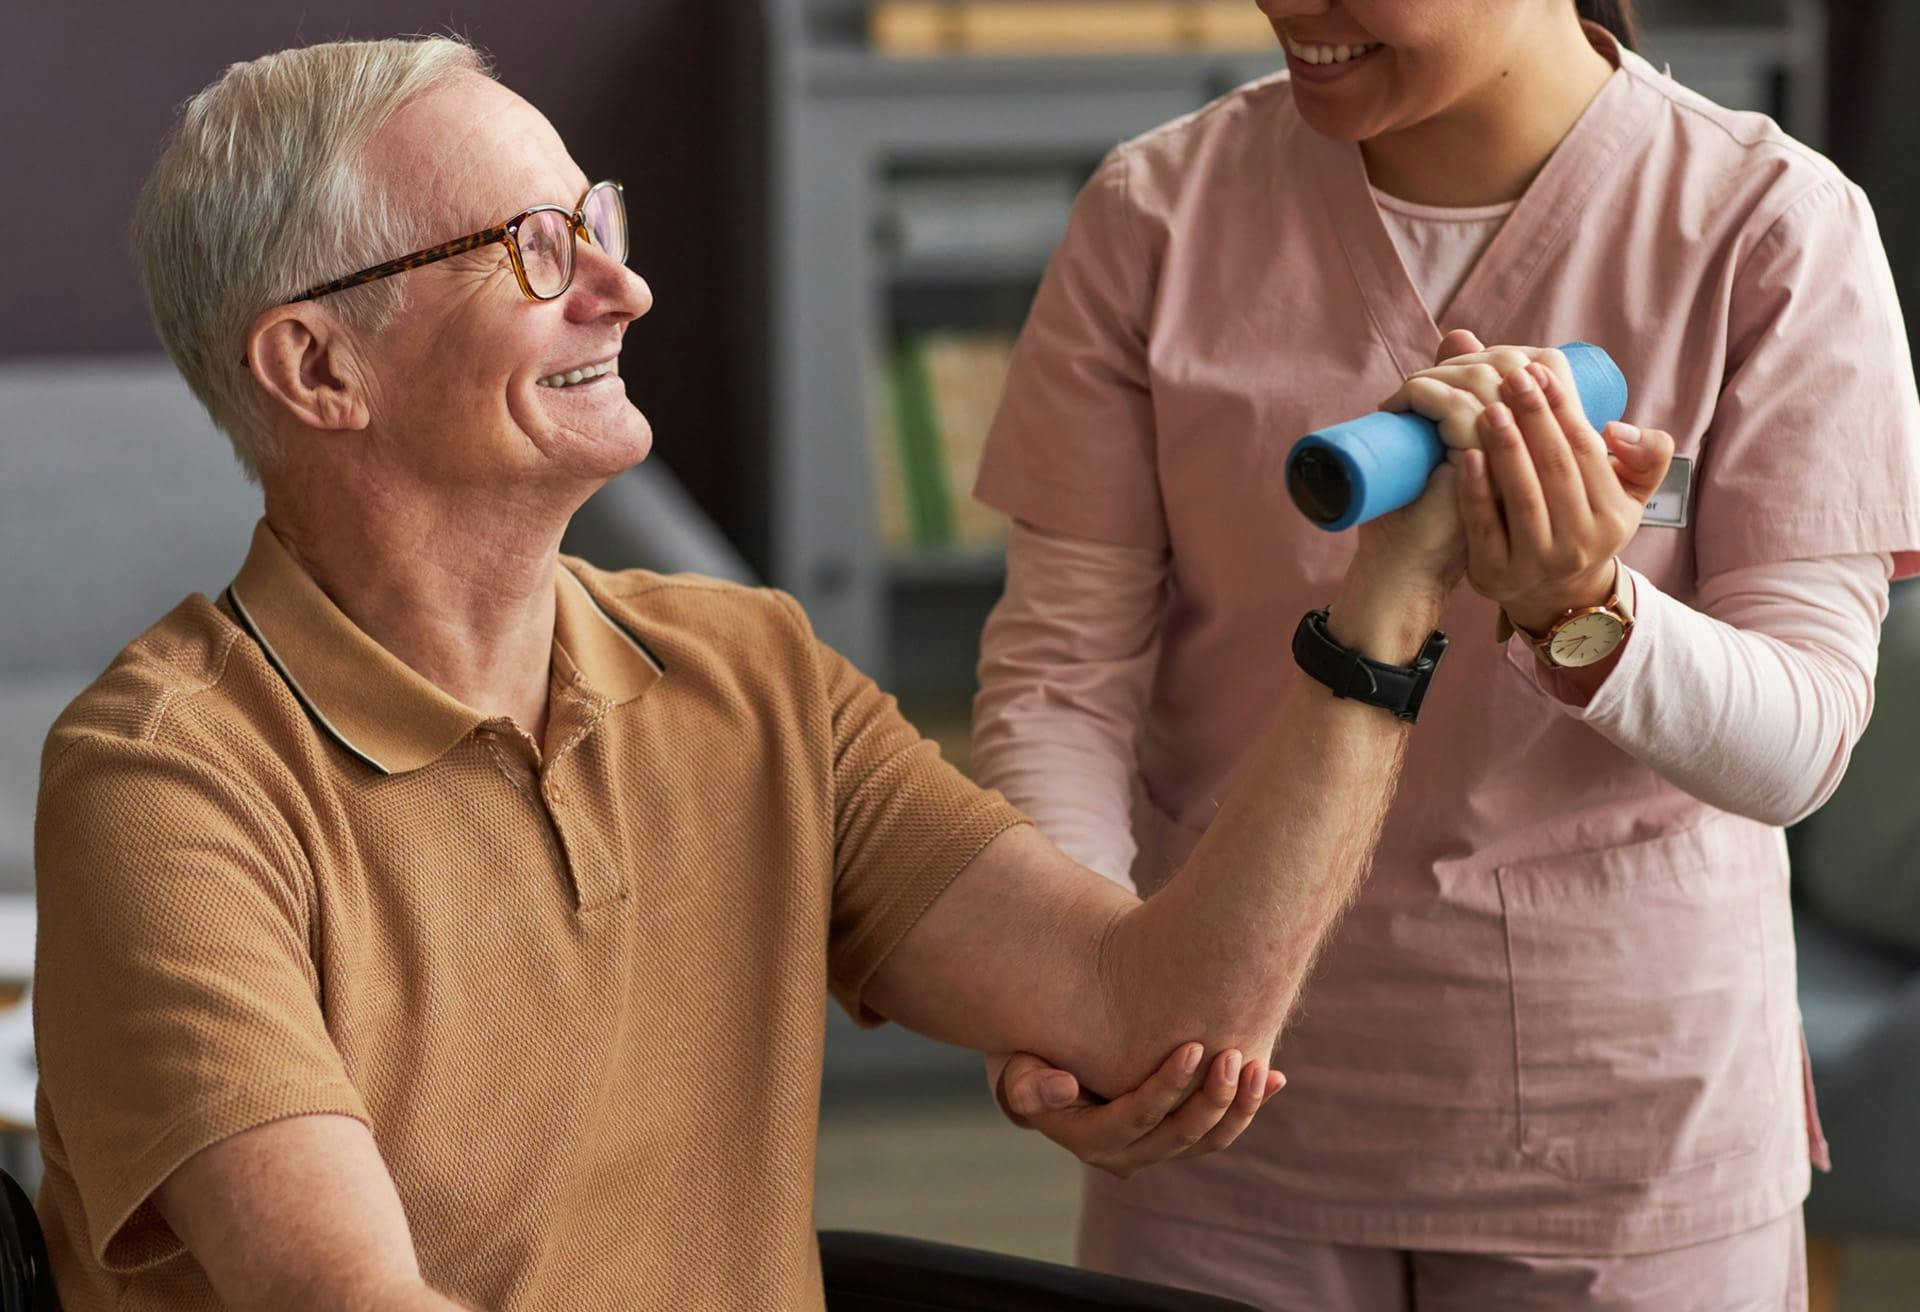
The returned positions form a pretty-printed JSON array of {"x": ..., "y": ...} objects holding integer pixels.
[{"x": 610, "y": 286}]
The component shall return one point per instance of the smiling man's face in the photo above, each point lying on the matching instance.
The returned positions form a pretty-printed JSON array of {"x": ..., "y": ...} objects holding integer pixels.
[{"x": 456, "y": 387}]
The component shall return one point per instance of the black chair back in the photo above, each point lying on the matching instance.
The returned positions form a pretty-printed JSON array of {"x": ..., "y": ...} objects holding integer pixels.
[
  {"x": 884, "y": 1273},
  {"x": 26, "y": 1280},
  {"x": 862, "y": 1273}
]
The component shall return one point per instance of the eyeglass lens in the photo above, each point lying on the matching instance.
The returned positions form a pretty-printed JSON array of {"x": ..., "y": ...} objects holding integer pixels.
[
  {"x": 606, "y": 215},
  {"x": 546, "y": 240}
]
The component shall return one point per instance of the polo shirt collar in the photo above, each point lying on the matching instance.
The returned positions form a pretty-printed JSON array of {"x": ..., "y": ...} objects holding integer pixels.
[
  {"x": 380, "y": 710},
  {"x": 592, "y": 649}
]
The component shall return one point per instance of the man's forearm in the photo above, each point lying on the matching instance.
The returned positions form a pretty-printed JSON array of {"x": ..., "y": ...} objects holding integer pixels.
[{"x": 1222, "y": 951}]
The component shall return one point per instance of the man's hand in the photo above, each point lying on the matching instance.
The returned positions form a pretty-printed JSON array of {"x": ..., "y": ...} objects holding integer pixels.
[
  {"x": 1174, "y": 1114},
  {"x": 1413, "y": 557}
]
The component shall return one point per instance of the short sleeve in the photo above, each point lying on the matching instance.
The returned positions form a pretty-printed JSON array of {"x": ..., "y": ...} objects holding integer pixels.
[
  {"x": 175, "y": 999},
  {"x": 1072, "y": 445},
  {"x": 1814, "y": 448},
  {"x": 906, "y": 823}
]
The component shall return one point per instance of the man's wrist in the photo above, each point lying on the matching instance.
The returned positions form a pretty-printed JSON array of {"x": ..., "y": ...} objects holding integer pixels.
[{"x": 1385, "y": 614}]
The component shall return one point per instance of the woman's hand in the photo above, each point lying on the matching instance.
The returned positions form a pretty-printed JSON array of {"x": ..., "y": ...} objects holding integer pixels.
[
  {"x": 1175, "y": 1113},
  {"x": 1545, "y": 501}
]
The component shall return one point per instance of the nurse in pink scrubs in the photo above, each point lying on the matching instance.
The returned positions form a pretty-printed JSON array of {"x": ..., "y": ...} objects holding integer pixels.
[{"x": 1553, "y": 1057}]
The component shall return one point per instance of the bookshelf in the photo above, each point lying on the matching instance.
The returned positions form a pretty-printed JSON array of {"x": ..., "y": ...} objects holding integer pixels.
[
  {"x": 909, "y": 196},
  {"x": 916, "y": 195}
]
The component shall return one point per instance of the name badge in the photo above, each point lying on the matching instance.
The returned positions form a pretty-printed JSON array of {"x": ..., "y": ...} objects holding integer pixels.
[{"x": 1669, "y": 505}]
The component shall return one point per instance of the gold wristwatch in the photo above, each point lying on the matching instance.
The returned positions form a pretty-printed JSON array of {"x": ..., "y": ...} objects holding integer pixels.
[{"x": 1585, "y": 635}]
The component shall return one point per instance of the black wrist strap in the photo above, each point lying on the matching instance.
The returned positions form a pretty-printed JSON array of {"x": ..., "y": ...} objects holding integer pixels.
[{"x": 1397, "y": 688}]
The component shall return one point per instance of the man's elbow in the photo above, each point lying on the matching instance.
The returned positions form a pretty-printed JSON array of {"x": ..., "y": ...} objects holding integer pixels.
[
  {"x": 1162, "y": 987},
  {"x": 1222, "y": 1012}
]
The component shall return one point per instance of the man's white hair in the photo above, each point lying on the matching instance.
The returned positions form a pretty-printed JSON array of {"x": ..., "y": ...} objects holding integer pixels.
[{"x": 258, "y": 194}]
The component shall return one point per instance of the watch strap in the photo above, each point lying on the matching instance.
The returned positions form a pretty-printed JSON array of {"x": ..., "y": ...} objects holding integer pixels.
[
  {"x": 1504, "y": 628},
  {"x": 1400, "y": 689}
]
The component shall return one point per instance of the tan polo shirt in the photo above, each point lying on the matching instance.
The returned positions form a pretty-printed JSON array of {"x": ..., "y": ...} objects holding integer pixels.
[{"x": 578, "y": 999}]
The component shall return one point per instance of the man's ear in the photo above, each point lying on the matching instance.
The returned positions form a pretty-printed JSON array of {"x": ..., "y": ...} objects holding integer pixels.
[{"x": 304, "y": 360}]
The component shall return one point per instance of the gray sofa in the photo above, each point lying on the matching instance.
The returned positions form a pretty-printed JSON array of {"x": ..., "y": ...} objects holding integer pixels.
[
  {"x": 118, "y": 498},
  {"x": 1857, "y": 920}
]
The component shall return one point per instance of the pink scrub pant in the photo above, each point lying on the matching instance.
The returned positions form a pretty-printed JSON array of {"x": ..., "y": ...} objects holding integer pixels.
[{"x": 1759, "y": 1270}]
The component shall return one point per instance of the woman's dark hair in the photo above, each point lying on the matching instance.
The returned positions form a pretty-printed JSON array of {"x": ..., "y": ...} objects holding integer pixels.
[{"x": 1616, "y": 16}]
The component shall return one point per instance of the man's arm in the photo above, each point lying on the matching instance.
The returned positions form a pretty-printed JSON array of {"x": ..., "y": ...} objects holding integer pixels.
[
  {"x": 1027, "y": 949},
  {"x": 298, "y": 1214}
]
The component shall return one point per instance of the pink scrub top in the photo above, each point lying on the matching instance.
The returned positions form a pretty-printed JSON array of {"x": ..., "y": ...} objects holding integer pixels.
[{"x": 1562, "y": 1015}]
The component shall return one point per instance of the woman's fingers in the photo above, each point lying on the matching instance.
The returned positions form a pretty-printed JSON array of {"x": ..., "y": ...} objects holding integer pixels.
[
  {"x": 1135, "y": 1115},
  {"x": 1257, "y": 1084},
  {"x": 1515, "y": 485},
  {"x": 1640, "y": 458},
  {"x": 1588, "y": 447},
  {"x": 1486, "y": 532},
  {"x": 1189, "y": 1123},
  {"x": 1033, "y": 1087},
  {"x": 1232, "y": 1087},
  {"x": 1108, "y": 1134},
  {"x": 1532, "y": 394}
]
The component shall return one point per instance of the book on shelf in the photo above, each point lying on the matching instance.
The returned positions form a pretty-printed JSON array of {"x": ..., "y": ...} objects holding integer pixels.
[
  {"x": 920, "y": 28},
  {"x": 940, "y": 391}
]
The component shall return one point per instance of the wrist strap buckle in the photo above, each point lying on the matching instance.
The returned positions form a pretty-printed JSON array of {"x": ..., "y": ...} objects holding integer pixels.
[{"x": 1352, "y": 676}]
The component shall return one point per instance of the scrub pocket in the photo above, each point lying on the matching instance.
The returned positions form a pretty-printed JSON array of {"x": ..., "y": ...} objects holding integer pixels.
[{"x": 1643, "y": 1043}]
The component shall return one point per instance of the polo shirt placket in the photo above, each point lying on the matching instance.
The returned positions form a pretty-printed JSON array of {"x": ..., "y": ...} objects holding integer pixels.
[{"x": 576, "y": 716}]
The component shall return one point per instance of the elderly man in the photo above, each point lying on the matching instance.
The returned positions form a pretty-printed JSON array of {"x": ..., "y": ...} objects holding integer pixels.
[{"x": 433, "y": 920}]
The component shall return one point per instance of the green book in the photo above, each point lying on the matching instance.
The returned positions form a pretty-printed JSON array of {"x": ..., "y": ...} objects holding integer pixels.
[{"x": 922, "y": 464}]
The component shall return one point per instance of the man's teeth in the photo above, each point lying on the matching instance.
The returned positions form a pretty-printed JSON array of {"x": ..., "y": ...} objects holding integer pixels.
[
  {"x": 1328, "y": 54},
  {"x": 572, "y": 376}
]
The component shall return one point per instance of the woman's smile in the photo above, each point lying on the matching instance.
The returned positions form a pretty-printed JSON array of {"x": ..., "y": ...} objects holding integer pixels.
[{"x": 1328, "y": 63}]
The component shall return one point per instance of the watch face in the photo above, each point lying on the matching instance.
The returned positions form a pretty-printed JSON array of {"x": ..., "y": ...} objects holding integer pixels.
[{"x": 1585, "y": 639}]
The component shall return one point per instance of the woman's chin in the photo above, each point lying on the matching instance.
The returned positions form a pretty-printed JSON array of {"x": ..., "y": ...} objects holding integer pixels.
[{"x": 1337, "y": 122}]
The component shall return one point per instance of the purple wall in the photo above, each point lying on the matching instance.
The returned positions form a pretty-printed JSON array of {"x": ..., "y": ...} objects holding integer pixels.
[
  {"x": 644, "y": 90},
  {"x": 661, "y": 93}
]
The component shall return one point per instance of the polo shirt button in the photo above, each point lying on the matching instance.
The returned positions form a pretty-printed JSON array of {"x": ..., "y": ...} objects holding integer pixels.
[{"x": 554, "y": 794}]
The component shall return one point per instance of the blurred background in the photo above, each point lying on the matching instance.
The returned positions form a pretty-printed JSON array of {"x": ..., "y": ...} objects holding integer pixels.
[{"x": 843, "y": 208}]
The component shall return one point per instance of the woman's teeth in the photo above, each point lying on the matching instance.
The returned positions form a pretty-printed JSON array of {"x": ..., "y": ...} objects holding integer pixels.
[
  {"x": 573, "y": 376},
  {"x": 1328, "y": 54}
]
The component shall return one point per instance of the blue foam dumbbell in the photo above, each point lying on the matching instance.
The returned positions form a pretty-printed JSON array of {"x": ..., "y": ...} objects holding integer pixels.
[{"x": 1350, "y": 473}]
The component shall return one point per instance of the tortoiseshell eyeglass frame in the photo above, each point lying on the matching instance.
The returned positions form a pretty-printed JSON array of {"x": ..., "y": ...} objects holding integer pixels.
[{"x": 508, "y": 232}]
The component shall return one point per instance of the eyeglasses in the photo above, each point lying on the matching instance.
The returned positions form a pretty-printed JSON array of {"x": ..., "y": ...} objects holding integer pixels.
[{"x": 539, "y": 243}]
